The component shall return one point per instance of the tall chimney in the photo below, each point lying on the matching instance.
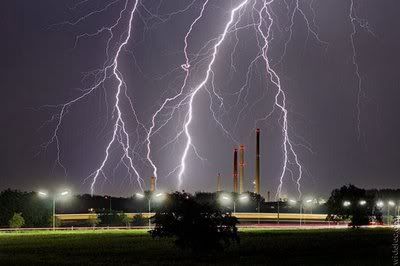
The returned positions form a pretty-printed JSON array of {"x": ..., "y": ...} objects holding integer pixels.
[
  {"x": 241, "y": 168},
  {"x": 235, "y": 170},
  {"x": 257, "y": 177},
  {"x": 219, "y": 183},
  {"x": 152, "y": 184}
]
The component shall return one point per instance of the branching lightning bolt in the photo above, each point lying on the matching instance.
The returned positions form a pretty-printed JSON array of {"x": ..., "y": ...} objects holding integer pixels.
[
  {"x": 189, "y": 115},
  {"x": 185, "y": 67},
  {"x": 120, "y": 133},
  {"x": 357, "y": 22},
  {"x": 263, "y": 21},
  {"x": 280, "y": 97}
]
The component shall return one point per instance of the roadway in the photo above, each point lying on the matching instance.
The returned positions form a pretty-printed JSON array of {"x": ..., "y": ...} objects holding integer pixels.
[{"x": 242, "y": 216}]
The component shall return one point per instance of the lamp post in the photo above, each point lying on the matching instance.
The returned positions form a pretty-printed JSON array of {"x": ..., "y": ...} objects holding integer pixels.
[
  {"x": 294, "y": 203},
  {"x": 243, "y": 198},
  {"x": 398, "y": 209},
  {"x": 225, "y": 198},
  {"x": 347, "y": 204},
  {"x": 390, "y": 204},
  {"x": 309, "y": 202},
  {"x": 56, "y": 196},
  {"x": 109, "y": 197},
  {"x": 279, "y": 199},
  {"x": 149, "y": 198}
]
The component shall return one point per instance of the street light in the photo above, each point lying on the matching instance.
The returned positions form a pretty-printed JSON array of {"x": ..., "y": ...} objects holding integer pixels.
[
  {"x": 158, "y": 197},
  {"x": 362, "y": 202},
  {"x": 310, "y": 203},
  {"x": 346, "y": 203},
  {"x": 242, "y": 198},
  {"x": 390, "y": 204},
  {"x": 138, "y": 195},
  {"x": 293, "y": 203},
  {"x": 55, "y": 197},
  {"x": 42, "y": 194},
  {"x": 225, "y": 199},
  {"x": 380, "y": 204}
]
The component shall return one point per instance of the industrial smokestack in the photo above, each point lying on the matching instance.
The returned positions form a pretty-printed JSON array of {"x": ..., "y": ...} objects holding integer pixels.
[
  {"x": 241, "y": 168},
  {"x": 152, "y": 184},
  {"x": 235, "y": 170},
  {"x": 219, "y": 183},
  {"x": 257, "y": 177}
]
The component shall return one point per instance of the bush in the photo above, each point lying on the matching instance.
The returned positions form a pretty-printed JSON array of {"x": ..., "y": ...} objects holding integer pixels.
[
  {"x": 93, "y": 221},
  {"x": 194, "y": 225},
  {"x": 125, "y": 219},
  {"x": 113, "y": 218},
  {"x": 139, "y": 220},
  {"x": 16, "y": 221}
]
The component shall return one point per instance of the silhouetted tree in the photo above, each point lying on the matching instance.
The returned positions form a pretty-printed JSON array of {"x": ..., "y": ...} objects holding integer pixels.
[
  {"x": 194, "y": 225},
  {"x": 358, "y": 214}
]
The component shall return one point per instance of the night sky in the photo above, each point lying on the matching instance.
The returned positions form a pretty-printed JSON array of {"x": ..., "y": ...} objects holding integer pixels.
[{"x": 43, "y": 66}]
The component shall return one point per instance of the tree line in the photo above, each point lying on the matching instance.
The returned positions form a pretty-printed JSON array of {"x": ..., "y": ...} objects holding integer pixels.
[{"x": 37, "y": 212}]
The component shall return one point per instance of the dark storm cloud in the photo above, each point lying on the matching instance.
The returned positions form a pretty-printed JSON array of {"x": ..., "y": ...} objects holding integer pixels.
[{"x": 41, "y": 66}]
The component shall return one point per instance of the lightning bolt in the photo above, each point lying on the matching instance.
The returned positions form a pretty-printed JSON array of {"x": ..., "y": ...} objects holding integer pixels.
[
  {"x": 280, "y": 97},
  {"x": 357, "y": 22},
  {"x": 185, "y": 67},
  {"x": 119, "y": 126},
  {"x": 262, "y": 21},
  {"x": 110, "y": 70},
  {"x": 311, "y": 26},
  {"x": 189, "y": 115}
]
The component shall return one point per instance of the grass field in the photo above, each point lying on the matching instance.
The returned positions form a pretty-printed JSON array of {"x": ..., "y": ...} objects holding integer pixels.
[{"x": 262, "y": 247}]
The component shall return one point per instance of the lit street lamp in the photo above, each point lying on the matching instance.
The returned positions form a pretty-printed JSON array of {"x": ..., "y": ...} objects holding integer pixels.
[
  {"x": 380, "y": 204},
  {"x": 362, "y": 202},
  {"x": 293, "y": 203},
  {"x": 390, "y": 204},
  {"x": 55, "y": 196},
  {"x": 346, "y": 203},
  {"x": 158, "y": 197},
  {"x": 310, "y": 202},
  {"x": 243, "y": 198}
]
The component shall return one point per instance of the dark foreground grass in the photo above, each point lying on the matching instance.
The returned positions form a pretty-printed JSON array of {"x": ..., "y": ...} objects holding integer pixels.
[{"x": 311, "y": 247}]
